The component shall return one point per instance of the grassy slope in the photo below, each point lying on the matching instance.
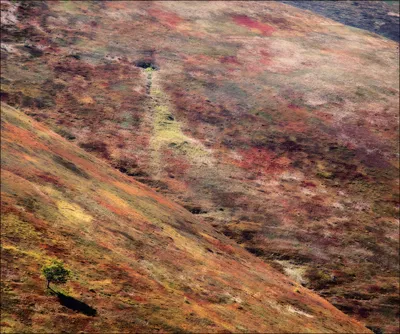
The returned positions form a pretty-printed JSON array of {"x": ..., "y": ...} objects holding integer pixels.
[
  {"x": 141, "y": 261},
  {"x": 277, "y": 126}
]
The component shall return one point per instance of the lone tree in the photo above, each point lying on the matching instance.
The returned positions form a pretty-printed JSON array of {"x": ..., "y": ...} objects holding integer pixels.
[{"x": 55, "y": 273}]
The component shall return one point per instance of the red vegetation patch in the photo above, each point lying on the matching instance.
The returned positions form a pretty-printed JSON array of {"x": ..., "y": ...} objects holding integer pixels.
[
  {"x": 167, "y": 18},
  {"x": 115, "y": 5},
  {"x": 265, "y": 57},
  {"x": 230, "y": 60},
  {"x": 220, "y": 245},
  {"x": 245, "y": 21},
  {"x": 97, "y": 146},
  {"x": 264, "y": 161},
  {"x": 293, "y": 107},
  {"x": 308, "y": 184},
  {"x": 119, "y": 211},
  {"x": 296, "y": 127},
  {"x": 54, "y": 250},
  {"x": 175, "y": 165},
  {"x": 23, "y": 137},
  {"x": 254, "y": 158},
  {"x": 46, "y": 177},
  {"x": 75, "y": 67}
]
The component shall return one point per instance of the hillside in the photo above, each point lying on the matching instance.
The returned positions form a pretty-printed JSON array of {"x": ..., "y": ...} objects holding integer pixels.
[
  {"x": 380, "y": 17},
  {"x": 276, "y": 126},
  {"x": 140, "y": 261}
]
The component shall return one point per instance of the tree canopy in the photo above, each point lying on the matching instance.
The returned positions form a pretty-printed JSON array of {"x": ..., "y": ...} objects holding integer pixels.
[{"x": 55, "y": 272}]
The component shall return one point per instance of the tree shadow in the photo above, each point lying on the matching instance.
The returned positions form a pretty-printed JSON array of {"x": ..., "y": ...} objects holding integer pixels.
[{"x": 76, "y": 305}]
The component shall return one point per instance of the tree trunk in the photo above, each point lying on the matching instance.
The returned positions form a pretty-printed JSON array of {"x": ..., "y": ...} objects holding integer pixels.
[{"x": 48, "y": 284}]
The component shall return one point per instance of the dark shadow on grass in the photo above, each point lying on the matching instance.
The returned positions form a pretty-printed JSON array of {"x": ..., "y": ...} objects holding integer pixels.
[{"x": 76, "y": 305}]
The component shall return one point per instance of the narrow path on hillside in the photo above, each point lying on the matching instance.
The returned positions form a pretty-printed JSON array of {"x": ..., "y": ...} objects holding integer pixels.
[
  {"x": 167, "y": 133},
  {"x": 149, "y": 71}
]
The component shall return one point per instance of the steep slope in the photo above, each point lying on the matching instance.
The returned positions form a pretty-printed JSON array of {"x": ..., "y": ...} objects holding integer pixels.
[
  {"x": 277, "y": 126},
  {"x": 142, "y": 262}
]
